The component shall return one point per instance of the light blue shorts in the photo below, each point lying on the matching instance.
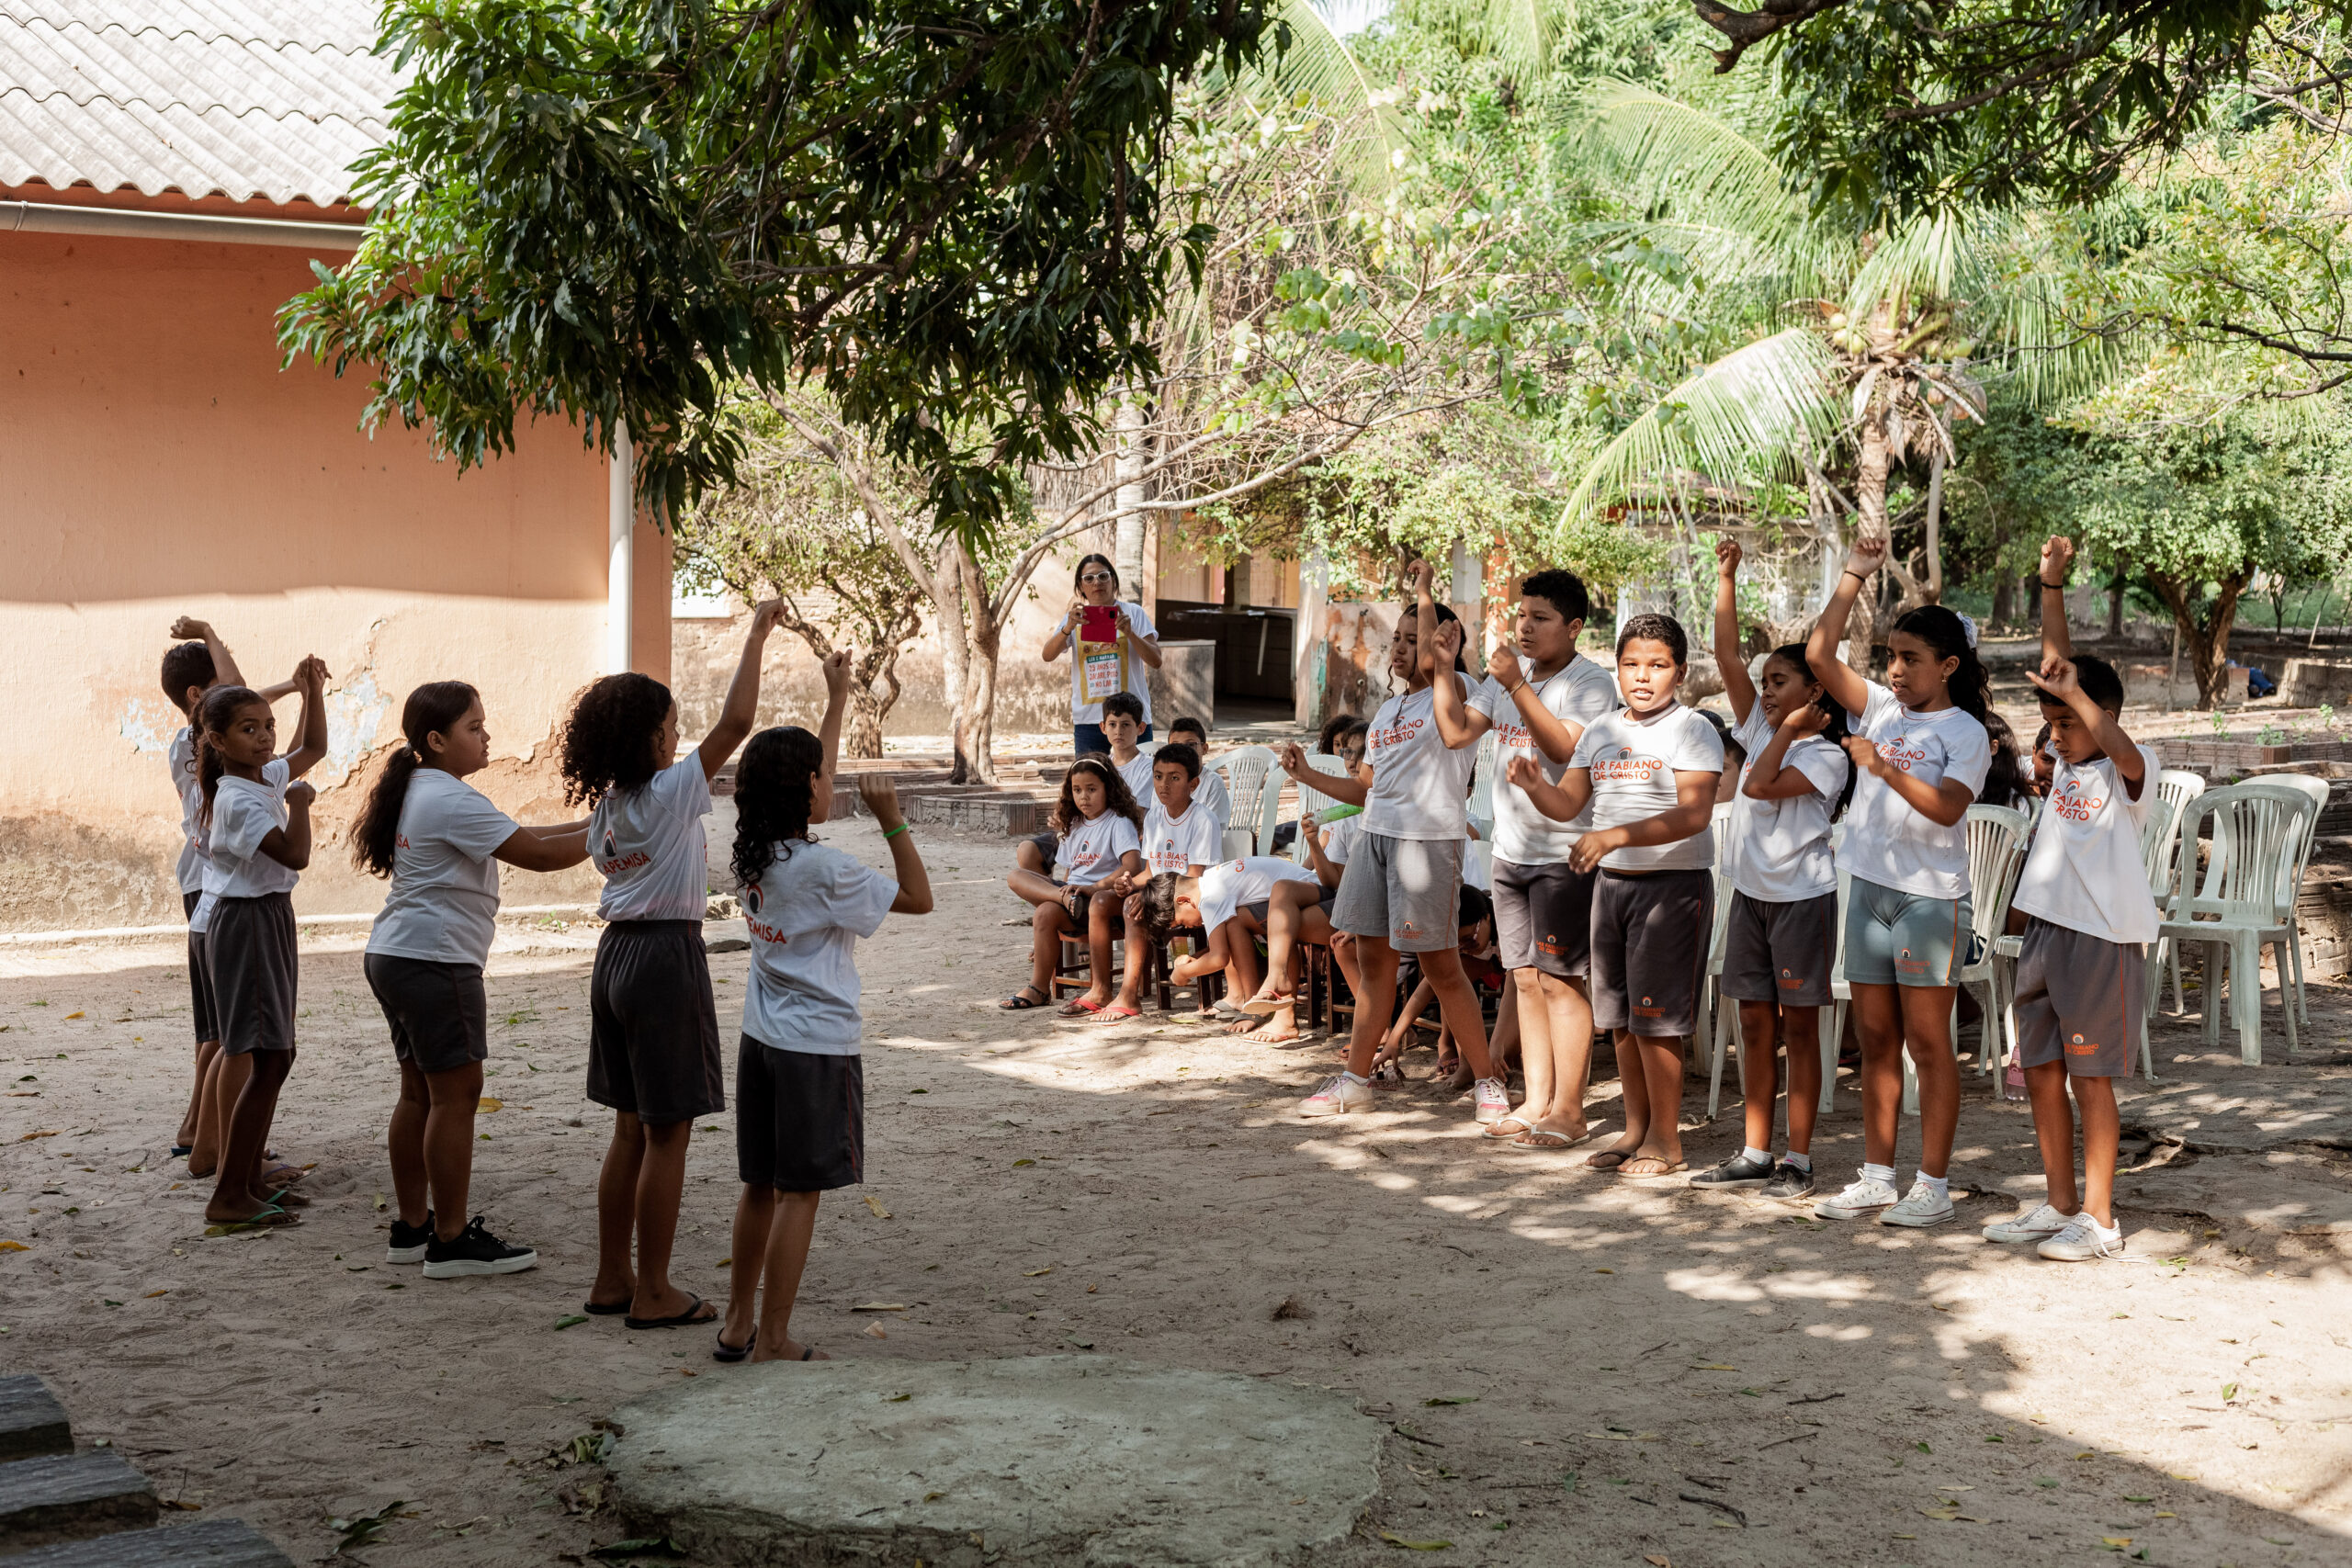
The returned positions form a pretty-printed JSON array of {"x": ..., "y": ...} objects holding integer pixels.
[{"x": 1904, "y": 939}]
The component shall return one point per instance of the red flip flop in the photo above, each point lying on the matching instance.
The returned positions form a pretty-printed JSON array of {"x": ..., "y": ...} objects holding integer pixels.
[
  {"x": 1116, "y": 1014},
  {"x": 1078, "y": 1006}
]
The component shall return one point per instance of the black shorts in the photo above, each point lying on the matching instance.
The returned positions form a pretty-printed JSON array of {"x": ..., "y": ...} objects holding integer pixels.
[
  {"x": 199, "y": 979},
  {"x": 250, "y": 957},
  {"x": 800, "y": 1119},
  {"x": 1650, "y": 935},
  {"x": 1780, "y": 952},
  {"x": 1543, "y": 917},
  {"x": 438, "y": 1015},
  {"x": 653, "y": 1029},
  {"x": 2079, "y": 1001},
  {"x": 1048, "y": 845}
]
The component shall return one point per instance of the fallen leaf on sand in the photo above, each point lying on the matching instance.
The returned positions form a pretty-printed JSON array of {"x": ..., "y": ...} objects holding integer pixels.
[
  {"x": 14, "y": 1247},
  {"x": 1452, "y": 1399},
  {"x": 876, "y": 1204},
  {"x": 40, "y": 1133},
  {"x": 1019, "y": 1163},
  {"x": 152, "y": 1294},
  {"x": 1037, "y": 1273},
  {"x": 76, "y": 1013},
  {"x": 1658, "y": 1561},
  {"x": 569, "y": 1319},
  {"x": 879, "y": 1306},
  {"x": 1714, "y": 1366},
  {"x": 874, "y": 1331},
  {"x": 1393, "y": 1539}
]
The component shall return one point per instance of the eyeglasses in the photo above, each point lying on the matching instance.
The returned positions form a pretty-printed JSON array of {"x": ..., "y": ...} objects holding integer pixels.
[{"x": 1098, "y": 577}]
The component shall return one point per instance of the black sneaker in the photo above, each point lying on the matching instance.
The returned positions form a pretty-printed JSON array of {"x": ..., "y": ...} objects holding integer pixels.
[
  {"x": 1736, "y": 1172},
  {"x": 408, "y": 1241},
  {"x": 1789, "y": 1182},
  {"x": 475, "y": 1251}
]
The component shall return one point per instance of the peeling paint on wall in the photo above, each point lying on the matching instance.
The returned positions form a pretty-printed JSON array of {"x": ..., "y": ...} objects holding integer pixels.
[
  {"x": 356, "y": 709},
  {"x": 149, "y": 724}
]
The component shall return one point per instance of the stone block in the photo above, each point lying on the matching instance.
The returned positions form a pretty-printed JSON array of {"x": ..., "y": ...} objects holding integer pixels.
[
  {"x": 215, "y": 1543},
  {"x": 63, "y": 1498},
  {"x": 31, "y": 1420}
]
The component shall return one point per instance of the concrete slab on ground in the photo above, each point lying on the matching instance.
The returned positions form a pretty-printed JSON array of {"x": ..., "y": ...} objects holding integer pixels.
[{"x": 1041, "y": 1461}]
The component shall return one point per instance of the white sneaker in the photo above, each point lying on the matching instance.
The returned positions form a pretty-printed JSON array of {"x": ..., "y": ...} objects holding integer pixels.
[
  {"x": 2083, "y": 1241},
  {"x": 1494, "y": 1099},
  {"x": 1923, "y": 1205},
  {"x": 2039, "y": 1225},
  {"x": 1862, "y": 1198},
  {"x": 1339, "y": 1095}
]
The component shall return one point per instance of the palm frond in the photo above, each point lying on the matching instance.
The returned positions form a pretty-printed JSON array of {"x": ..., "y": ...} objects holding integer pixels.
[
  {"x": 1734, "y": 420},
  {"x": 1320, "y": 68}
]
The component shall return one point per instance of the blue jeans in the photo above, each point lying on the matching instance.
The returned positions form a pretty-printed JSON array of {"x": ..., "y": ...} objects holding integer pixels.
[{"x": 1089, "y": 738}]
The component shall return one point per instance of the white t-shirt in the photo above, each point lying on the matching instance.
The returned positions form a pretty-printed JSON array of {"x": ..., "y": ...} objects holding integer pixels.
[
  {"x": 1225, "y": 888},
  {"x": 1633, "y": 762},
  {"x": 1092, "y": 850},
  {"x": 182, "y": 757},
  {"x": 1579, "y": 692},
  {"x": 649, "y": 843},
  {"x": 1131, "y": 671},
  {"x": 806, "y": 913},
  {"x": 1419, "y": 785},
  {"x": 244, "y": 813},
  {"x": 444, "y": 900},
  {"x": 1211, "y": 792},
  {"x": 1137, "y": 777},
  {"x": 1340, "y": 838},
  {"x": 2083, "y": 871},
  {"x": 1179, "y": 843},
  {"x": 1887, "y": 841},
  {"x": 1477, "y": 871},
  {"x": 1778, "y": 851}
]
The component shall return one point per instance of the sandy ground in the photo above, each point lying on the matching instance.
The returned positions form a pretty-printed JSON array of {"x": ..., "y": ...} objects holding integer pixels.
[{"x": 1578, "y": 1369}]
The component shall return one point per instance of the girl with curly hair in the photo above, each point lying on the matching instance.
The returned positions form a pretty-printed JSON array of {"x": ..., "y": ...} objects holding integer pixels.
[
  {"x": 1100, "y": 830},
  {"x": 654, "y": 1055},
  {"x": 799, "y": 1082}
]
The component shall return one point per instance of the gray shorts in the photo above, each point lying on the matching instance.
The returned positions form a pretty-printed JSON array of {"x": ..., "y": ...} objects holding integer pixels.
[
  {"x": 1543, "y": 917},
  {"x": 653, "y": 1026},
  {"x": 1405, "y": 890},
  {"x": 1893, "y": 938},
  {"x": 1780, "y": 952},
  {"x": 1649, "y": 950},
  {"x": 251, "y": 959},
  {"x": 199, "y": 979},
  {"x": 2079, "y": 1001}
]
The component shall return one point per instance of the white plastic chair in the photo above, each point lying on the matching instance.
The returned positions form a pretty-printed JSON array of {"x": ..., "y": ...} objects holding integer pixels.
[
  {"x": 1482, "y": 786},
  {"x": 1842, "y": 990},
  {"x": 2244, "y": 901},
  {"x": 1723, "y": 1031},
  {"x": 1244, "y": 773},
  {"x": 2160, "y": 853},
  {"x": 2315, "y": 790},
  {"x": 1312, "y": 800}
]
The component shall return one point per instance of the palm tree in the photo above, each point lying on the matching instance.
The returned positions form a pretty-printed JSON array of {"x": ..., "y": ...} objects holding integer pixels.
[{"x": 1862, "y": 345}]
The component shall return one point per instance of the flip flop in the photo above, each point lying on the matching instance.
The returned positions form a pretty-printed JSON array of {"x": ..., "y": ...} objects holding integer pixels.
[
  {"x": 1116, "y": 1014},
  {"x": 1266, "y": 1006},
  {"x": 723, "y": 1351},
  {"x": 604, "y": 1309},
  {"x": 181, "y": 1151},
  {"x": 1076, "y": 1006},
  {"x": 1545, "y": 1138},
  {"x": 285, "y": 1175},
  {"x": 268, "y": 1214},
  {"x": 1664, "y": 1167},
  {"x": 1022, "y": 1001},
  {"x": 808, "y": 1353},
  {"x": 1495, "y": 1128},
  {"x": 685, "y": 1319},
  {"x": 1607, "y": 1159}
]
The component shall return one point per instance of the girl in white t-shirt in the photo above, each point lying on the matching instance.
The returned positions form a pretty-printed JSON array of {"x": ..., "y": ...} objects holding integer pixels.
[
  {"x": 799, "y": 1079},
  {"x": 1780, "y": 936},
  {"x": 1920, "y": 754},
  {"x": 257, "y": 823},
  {"x": 1101, "y": 827},
  {"x": 439, "y": 841},
  {"x": 653, "y": 1052}
]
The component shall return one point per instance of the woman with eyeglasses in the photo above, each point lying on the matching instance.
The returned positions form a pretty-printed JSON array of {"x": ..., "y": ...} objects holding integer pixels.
[{"x": 1115, "y": 649}]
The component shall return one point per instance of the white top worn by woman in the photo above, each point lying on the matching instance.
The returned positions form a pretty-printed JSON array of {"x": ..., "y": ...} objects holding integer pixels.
[
  {"x": 1778, "y": 851},
  {"x": 2084, "y": 872},
  {"x": 1132, "y": 671},
  {"x": 1179, "y": 843},
  {"x": 1579, "y": 692},
  {"x": 805, "y": 915},
  {"x": 1890, "y": 841},
  {"x": 244, "y": 813},
  {"x": 1634, "y": 761},
  {"x": 443, "y": 906},
  {"x": 1419, "y": 785},
  {"x": 181, "y": 758},
  {"x": 1092, "y": 850},
  {"x": 648, "y": 844}
]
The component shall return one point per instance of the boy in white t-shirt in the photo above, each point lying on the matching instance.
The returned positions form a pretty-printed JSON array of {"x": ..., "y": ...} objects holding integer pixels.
[
  {"x": 1228, "y": 902},
  {"x": 1179, "y": 837},
  {"x": 1123, "y": 726},
  {"x": 2081, "y": 996},
  {"x": 1212, "y": 792},
  {"x": 1649, "y": 772}
]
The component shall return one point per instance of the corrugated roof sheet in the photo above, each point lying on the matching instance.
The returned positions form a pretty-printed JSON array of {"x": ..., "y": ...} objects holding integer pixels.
[{"x": 246, "y": 98}]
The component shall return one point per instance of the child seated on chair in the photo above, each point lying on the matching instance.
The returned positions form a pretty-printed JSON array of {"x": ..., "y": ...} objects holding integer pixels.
[
  {"x": 1216, "y": 902},
  {"x": 1099, "y": 825},
  {"x": 2081, "y": 986},
  {"x": 1181, "y": 838},
  {"x": 1212, "y": 792}
]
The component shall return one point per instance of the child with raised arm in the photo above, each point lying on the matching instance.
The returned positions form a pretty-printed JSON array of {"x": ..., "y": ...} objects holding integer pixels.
[
  {"x": 1100, "y": 830},
  {"x": 439, "y": 839},
  {"x": 1537, "y": 699},
  {"x": 191, "y": 669},
  {"x": 1781, "y": 937},
  {"x": 799, "y": 1079},
  {"x": 1180, "y": 836},
  {"x": 653, "y": 1052},
  {"x": 2081, "y": 996},
  {"x": 1398, "y": 892},
  {"x": 1649, "y": 773},
  {"x": 1920, "y": 754},
  {"x": 257, "y": 823}
]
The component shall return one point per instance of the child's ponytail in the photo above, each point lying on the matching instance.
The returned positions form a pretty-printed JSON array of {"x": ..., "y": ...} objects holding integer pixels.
[
  {"x": 1953, "y": 636},
  {"x": 213, "y": 716},
  {"x": 433, "y": 708},
  {"x": 775, "y": 789}
]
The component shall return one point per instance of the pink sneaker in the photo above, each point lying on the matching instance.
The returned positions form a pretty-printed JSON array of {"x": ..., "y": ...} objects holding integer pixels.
[
  {"x": 1494, "y": 1099},
  {"x": 1339, "y": 1095}
]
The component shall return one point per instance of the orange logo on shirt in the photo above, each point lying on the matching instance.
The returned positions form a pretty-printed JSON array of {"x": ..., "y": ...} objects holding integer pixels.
[{"x": 1626, "y": 768}]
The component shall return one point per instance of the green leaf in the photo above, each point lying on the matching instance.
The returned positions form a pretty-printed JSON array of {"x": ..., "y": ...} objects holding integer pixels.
[{"x": 569, "y": 1319}]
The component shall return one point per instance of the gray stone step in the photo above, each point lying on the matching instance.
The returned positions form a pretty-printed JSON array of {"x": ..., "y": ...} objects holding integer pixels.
[
  {"x": 64, "y": 1497},
  {"x": 215, "y": 1543},
  {"x": 31, "y": 1420}
]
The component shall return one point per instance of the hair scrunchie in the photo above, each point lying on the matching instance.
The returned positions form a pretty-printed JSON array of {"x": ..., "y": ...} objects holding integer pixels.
[{"x": 1968, "y": 625}]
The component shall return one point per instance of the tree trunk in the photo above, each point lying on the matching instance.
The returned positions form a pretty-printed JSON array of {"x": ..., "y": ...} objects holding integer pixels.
[
  {"x": 1870, "y": 503},
  {"x": 1935, "y": 528},
  {"x": 2004, "y": 601},
  {"x": 983, "y": 642},
  {"x": 1127, "y": 549},
  {"x": 2115, "y": 603},
  {"x": 954, "y": 663},
  {"x": 2205, "y": 639}
]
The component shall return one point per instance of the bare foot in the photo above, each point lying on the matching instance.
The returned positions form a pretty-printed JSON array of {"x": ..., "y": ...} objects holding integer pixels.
[
  {"x": 245, "y": 1211},
  {"x": 1118, "y": 1012},
  {"x": 1277, "y": 1031},
  {"x": 790, "y": 1350}
]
